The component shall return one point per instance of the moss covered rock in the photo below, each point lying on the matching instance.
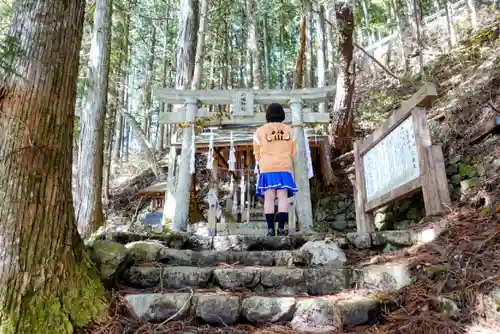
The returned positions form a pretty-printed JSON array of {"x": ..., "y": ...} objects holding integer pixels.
[
  {"x": 147, "y": 251},
  {"x": 109, "y": 256}
]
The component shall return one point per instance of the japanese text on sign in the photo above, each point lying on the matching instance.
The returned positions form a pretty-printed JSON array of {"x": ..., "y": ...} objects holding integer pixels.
[{"x": 392, "y": 162}]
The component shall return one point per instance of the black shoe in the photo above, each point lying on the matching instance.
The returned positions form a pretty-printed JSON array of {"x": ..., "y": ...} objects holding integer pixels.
[
  {"x": 270, "y": 233},
  {"x": 281, "y": 232}
]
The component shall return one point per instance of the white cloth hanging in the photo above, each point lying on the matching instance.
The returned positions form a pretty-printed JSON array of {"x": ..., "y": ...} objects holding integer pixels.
[
  {"x": 192, "y": 169},
  {"x": 210, "y": 156},
  {"x": 231, "y": 184},
  {"x": 242, "y": 183},
  {"x": 256, "y": 169},
  {"x": 232, "y": 155},
  {"x": 310, "y": 171}
]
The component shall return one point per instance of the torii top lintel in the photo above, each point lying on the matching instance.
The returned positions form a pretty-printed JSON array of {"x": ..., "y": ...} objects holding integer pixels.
[
  {"x": 242, "y": 102},
  {"x": 261, "y": 96}
]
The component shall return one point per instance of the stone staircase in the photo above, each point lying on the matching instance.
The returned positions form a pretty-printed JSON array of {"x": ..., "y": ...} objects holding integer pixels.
[{"x": 305, "y": 282}]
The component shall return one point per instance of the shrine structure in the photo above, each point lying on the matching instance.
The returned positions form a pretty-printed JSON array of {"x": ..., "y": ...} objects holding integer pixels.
[{"x": 227, "y": 137}]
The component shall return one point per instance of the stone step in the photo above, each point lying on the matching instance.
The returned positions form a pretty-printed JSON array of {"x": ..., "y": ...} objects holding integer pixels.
[
  {"x": 186, "y": 257},
  {"x": 357, "y": 240},
  {"x": 330, "y": 313},
  {"x": 282, "y": 280}
]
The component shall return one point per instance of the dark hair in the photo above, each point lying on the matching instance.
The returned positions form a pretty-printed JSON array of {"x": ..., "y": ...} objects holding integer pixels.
[{"x": 275, "y": 113}]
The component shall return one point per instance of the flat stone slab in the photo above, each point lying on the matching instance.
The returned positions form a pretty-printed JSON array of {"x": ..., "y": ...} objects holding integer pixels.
[
  {"x": 156, "y": 307},
  {"x": 385, "y": 277},
  {"x": 282, "y": 280},
  {"x": 316, "y": 281},
  {"x": 397, "y": 238},
  {"x": 238, "y": 243},
  {"x": 302, "y": 313},
  {"x": 186, "y": 257}
]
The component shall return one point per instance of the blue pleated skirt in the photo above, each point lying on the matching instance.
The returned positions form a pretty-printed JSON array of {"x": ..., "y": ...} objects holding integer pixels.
[{"x": 276, "y": 180}]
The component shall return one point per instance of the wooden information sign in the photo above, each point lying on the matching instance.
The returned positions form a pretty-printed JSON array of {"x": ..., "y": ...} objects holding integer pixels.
[{"x": 398, "y": 160}]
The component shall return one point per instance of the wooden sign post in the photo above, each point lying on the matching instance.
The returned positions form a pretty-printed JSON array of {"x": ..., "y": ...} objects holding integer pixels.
[{"x": 397, "y": 160}]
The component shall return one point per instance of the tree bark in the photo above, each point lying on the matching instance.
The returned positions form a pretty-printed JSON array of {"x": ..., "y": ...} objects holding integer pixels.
[
  {"x": 253, "y": 43},
  {"x": 309, "y": 70},
  {"x": 166, "y": 66},
  {"x": 142, "y": 140},
  {"x": 298, "y": 80},
  {"x": 452, "y": 37},
  {"x": 195, "y": 214},
  {"x": 266, "y": 54},
  {"x": 47, "y": 282},
  {"x": 321, "y": 53},
  {"x": 89, "y": 209},
  {"x": 124, "y": 61},
  {"x": 149, "y": 86},
  {"x": 471, "y": 5},
  {"x": 186, "y": 41},
  {"x": 340, "y": 130}
]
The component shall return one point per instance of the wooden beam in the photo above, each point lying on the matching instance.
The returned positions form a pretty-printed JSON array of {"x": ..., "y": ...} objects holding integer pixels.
[
  {"x": 364, "y": 220},
  {"x": 491, "y": 125},
  {"x": 441, "y": 180},
  {"x": 325, "y": 162},
  {"x": 303, "y": 197},
  {"x": 257, "y": 118},
  {"x": 221, "y": 157},
  {"x": 422, "y": 98},
  {"x": 263, "y": 96},
  {"x": 401, "y": 192}
]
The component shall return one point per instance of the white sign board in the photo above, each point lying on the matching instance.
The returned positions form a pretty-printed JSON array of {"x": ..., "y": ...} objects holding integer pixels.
[{"x": 392, "y": 162}]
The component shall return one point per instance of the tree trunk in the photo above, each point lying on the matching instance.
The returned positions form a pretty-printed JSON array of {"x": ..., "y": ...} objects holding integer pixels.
[
  {"x": 309, "y": 81},
  {"x": 340, "y": 130},
  {"x": 200, "y": 46},
  {"x": 149, "y": 86},
  {"x": 142, "y": 140},
  {"x": 452, "y": 38},
  {"x": 165, "y": 70},
  {"x": 47, "y": 282},
  {"x": 471, "y": 6},
  {"x": 282, "y": 76},
  {"x": 420, "y": 45},
  {"x": 321, "y": 53},
  {"x": 266, "y": 54},
  {"x": 371, "y": 36},
  {"x": 195, "y": 214},
  {"x": 186, "y": 41},
  {"x": 399, "y": 19},
  {"x": 298, "y": 81},
  {"x": 89, "y": 210},
  {"x": 122, "y": 103},
  {"x": 330, "y": 14},
  {"x": 253, "y": 43}
]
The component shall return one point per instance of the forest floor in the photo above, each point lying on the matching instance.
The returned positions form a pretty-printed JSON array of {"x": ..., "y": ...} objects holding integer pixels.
[{"x": 463, "y": 264}]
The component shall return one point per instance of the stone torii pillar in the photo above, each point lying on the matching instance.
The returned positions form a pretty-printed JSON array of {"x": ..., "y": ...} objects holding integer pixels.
[
  {"x": 184, "y": 183},
  {"x": 303, "y": 196}
]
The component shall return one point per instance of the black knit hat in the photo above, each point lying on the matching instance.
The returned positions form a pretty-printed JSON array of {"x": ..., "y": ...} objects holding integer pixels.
[{"x": 275, "y": 113}]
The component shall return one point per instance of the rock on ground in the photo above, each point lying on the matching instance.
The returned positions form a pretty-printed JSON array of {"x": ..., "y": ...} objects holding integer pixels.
[
  {"x": 260, "y": 310},
  {"x": 322, "y": 253},
  {"x": 146, "y": 251},
  {"x": 109, "y": 257}
]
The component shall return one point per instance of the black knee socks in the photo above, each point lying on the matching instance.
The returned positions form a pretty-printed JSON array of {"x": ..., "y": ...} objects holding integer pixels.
[
  {"x": 270, "y": 221},
  {"x": 282, "y": 219}
]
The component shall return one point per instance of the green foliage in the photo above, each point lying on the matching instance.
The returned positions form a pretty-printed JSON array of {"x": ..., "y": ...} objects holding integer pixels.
[{"x": 6, "y": 42}]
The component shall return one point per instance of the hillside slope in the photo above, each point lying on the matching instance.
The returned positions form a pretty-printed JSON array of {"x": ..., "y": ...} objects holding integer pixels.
[{"x": 456, "y": 277}]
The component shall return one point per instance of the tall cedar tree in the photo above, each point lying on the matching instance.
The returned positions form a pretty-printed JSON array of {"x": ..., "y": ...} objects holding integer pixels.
[{"x": 47, "y": 282}]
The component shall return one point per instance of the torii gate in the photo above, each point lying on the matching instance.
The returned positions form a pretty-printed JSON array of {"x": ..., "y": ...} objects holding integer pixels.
[{"x": 243, "y": 113}]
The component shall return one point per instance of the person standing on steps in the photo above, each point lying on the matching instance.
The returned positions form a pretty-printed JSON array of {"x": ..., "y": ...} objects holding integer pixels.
[{"x": 274, "y": 149}]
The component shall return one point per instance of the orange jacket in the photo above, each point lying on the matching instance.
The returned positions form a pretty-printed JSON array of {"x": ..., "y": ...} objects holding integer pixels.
[{"x": 274, "y": 147}]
